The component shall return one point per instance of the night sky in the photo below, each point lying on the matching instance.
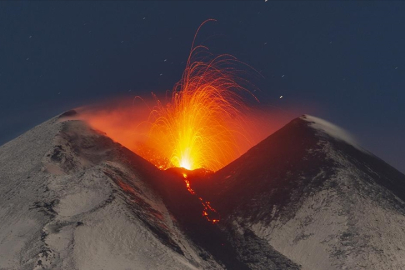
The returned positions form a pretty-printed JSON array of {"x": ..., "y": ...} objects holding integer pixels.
[{"x": 341, "y": 61}]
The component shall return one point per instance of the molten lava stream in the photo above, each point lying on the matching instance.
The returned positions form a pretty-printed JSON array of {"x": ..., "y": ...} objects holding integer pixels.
[{"x": 208, "y": 212}]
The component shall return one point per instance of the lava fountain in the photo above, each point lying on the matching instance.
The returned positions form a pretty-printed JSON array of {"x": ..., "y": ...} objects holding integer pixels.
[{"x": 201, "y": 125}]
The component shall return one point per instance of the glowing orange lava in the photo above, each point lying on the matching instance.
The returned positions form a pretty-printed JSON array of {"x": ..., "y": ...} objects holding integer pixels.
[
  {"x": 208, "y": 212},
  {"x": 199, "y": 126}
]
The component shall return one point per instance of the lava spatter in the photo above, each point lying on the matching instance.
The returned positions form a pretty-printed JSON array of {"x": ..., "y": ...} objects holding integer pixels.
[{"x": 201, "y": 126}]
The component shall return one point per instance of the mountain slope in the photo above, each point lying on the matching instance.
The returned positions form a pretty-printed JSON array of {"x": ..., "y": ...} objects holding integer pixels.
[
  {"x": 73, "y": 199},
  {"x": 316, "y": 197},
  {"x": 307, "y": 197}
]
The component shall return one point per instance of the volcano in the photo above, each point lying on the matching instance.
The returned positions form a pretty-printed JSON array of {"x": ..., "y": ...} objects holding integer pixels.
[{"x": 306, "y": 197}]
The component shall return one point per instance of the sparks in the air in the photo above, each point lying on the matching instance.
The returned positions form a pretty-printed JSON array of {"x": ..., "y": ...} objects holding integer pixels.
[{"x": 200, "y": 125}]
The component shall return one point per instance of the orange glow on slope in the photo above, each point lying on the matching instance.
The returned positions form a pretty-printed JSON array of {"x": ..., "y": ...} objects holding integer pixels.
[
  {"x": 200, "y": 125},
  {"x": 121, "y": 121}
]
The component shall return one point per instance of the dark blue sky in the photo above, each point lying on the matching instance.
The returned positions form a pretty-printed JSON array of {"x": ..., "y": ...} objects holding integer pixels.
[{"x": 346, "y": 59}]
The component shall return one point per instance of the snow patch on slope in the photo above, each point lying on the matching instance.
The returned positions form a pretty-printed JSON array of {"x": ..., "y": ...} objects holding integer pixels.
[
  {"x": 62, "y": 207},
  {"x": 304, "y": 241},
  {"x": 351, "y": 223},
  {"x": 332, "y": 130}
]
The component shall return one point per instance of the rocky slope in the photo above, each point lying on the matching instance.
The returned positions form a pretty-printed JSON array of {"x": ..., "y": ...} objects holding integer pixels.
[{"x": 315, "y": 196}]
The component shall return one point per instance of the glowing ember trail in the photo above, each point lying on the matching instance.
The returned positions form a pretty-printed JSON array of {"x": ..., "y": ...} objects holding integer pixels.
[
  {"x": 208, "y": 212},
  {"x": 201, "y": 125}
]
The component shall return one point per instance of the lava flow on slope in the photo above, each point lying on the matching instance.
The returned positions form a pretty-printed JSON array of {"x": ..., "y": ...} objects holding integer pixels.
[{"x": 208, "y": 212}]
